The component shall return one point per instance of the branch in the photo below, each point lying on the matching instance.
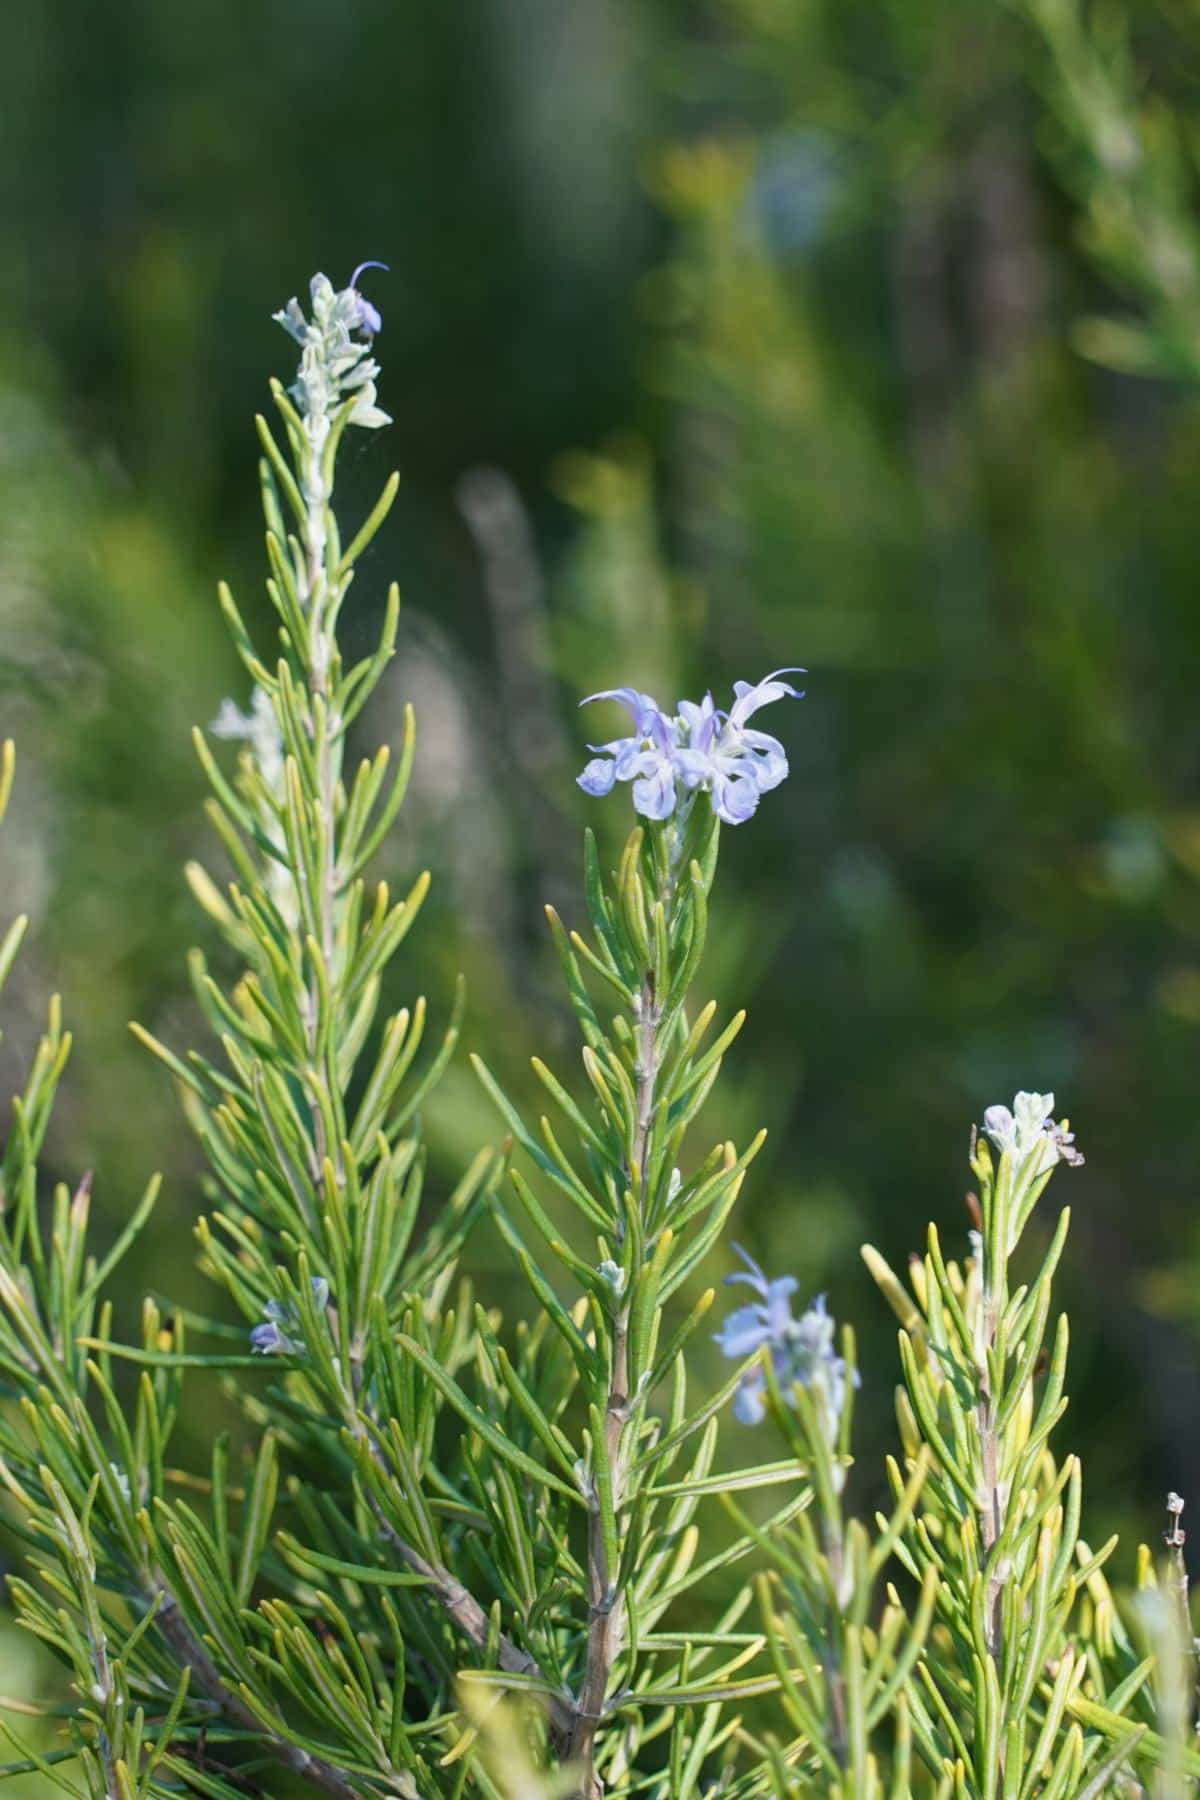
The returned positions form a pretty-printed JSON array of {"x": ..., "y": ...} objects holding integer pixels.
[
  {"x": 192, "y": 1653},
  {"x": 606, "y": 1606},
  {"x": 466, "y": 1612}
]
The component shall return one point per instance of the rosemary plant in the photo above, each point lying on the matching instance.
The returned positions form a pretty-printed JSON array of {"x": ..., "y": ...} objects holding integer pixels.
[
  {"x": 442, "y": 1556},
  {"x": 1015, "y": 1692},
  {"x": 1126, "y": 156}
]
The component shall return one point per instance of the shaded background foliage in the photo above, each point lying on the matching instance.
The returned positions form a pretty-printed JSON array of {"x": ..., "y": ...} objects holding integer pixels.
[{"x": 717, "y": 337}]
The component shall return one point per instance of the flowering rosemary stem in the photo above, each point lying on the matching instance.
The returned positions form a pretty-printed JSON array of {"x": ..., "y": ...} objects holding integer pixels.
[
  {"x": 606, "y": 1603},
  {"x": 821, "y": 1447},
  {"x": 321, "y": 584},
  {"x": 835, "y": 1677},
  {"x": 991, "y": 1498},
  {"x": 319, "y": 596}
]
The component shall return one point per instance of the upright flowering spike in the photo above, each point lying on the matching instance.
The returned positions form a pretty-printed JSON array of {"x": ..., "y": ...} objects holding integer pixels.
[{"x": 334, "y": 364}]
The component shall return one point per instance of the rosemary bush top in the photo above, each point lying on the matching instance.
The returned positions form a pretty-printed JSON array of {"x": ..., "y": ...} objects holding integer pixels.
[{"x": 471, "y": 1558}]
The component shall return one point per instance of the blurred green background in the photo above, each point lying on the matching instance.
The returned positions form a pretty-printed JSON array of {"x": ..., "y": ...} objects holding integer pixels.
[{"x": 718, "y": 337}]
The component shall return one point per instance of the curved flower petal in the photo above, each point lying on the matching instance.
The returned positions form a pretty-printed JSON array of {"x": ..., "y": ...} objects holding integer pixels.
[
  {"x": 701, "y": 723},
  {"x": 1001, "y": 1127},
  {"x": 749, "y": 1404},
  {"x": 598, "y": 776},
  {"x": 743, "y": 1332},
  {"x": 269, "y": 1340},
  {"x": 642, "y": 708},
  {"x": 1032, "y": 1113},
  {"x": 654, "y": 793},
  {"x": 368, "y": 318},
  {"x": 779, "y": 1305},
  {"x": 734, "y": 798},
  {"x": 768, "y": 758},
  {"x": 366, "y": 412},
  {"x": 750, "y": 696},
  {"x": 753, "y": 1274},
  {"x": 631, "y": 759}
]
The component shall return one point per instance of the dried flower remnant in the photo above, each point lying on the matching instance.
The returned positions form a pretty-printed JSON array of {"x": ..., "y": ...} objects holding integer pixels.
[{"x": 1028, "y": 1131}]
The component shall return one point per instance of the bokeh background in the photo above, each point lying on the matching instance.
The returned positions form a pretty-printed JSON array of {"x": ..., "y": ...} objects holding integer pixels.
[{"x": 860, "y": 334}]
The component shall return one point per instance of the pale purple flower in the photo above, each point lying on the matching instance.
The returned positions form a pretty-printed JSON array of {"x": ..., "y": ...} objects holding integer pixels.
[
  {"x": 270, "y": 1339},
  {"x": 700, "y": 749},
  {"x": 1028, "y": 1130},
  {"x": 277, "y": 1335},
  {"x": 647, "y": 757},
  {"x": 802, "y": 1350},
  {"x": 769, "y": 756},
  {"x": 370, "y": 319},
  {"x": 708, "y": 761}
]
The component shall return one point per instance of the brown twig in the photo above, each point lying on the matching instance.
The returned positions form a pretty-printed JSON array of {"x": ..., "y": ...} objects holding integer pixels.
[{"x": 192, "y": 1654}]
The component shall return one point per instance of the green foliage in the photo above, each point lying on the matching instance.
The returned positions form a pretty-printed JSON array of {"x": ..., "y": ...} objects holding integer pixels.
[
  {"x": 904, "y": 476},
  {"x": 844, "y": 1663},
  {"x": 1129, "y": 158},
  {"x": 1016, "y": 1691},
  {"x": 410, "y": 1556},
  {"x": 449, "y": 1557}
]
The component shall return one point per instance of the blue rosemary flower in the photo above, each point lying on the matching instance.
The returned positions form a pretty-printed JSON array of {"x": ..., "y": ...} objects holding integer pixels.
[
  {"x": 802, "y": 1350},
  {"x": 370, "y": 319},
  {"x": 278, "y": 1335},
  {"x": 698, "y": 749},
  {"x": 1029, "y": 1131},
  {"x": 647, "y": 757}
]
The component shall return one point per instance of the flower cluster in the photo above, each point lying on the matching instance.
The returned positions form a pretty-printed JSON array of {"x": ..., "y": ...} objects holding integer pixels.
[
  {"x": 698, "y": 749},
  {"x": 802, "y": 1350},
  {"x": 278, "y": 1335},
  {"x": 335, "y": 363},
  {"x": 1027, "y": 1129}
]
